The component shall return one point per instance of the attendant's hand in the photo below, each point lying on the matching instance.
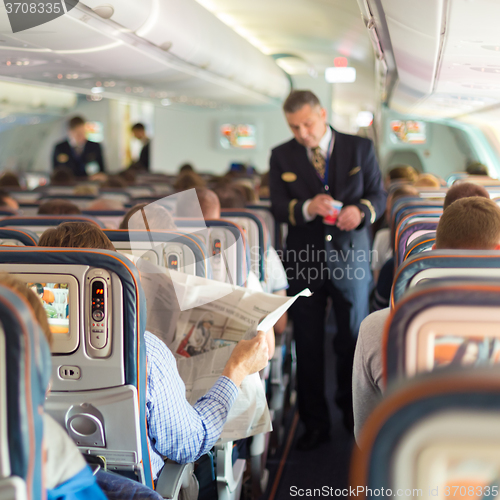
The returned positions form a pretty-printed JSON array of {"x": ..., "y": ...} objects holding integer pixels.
[
  {"x": 321, "y": 205},
  {"x": 349, "y": 218},
  {"x": 249, "y": 356}
]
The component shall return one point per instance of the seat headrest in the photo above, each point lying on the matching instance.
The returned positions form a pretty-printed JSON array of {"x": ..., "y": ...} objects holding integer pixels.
[
  {"x": 442, "y": 259},
  {"x": 483, "y": 293}
]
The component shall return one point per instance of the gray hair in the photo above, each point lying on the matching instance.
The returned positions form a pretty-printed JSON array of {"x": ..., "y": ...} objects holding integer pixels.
[{"x": 298, "y": 99}]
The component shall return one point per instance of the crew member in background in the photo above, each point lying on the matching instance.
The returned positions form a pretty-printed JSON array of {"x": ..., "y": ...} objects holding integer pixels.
[
  {"x": 80, "y": 156},
  {"x": 307, "y": 174},
  {"x": 139, "y": 132}
]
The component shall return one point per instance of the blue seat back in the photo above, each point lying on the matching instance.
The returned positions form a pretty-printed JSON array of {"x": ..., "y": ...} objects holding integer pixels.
[
  {"x": 235, "y": 237},
  {"x": 420, "y": 244},
  {"x": 24, "y": 377},
  {"x": 256, "y": 236},
  {"x": 109, "y": 218},
  {"x": 16, "y": 236},
  {"x": 40, "y": 223},
  {"x": 463, "y": 264},
  {"x": 432, "y": 326},
  {"x": 188, "y": 250},
  {"x": 436, "y": 431},
  {"x": 104, "y": 383},
  {"x": 408, "y": 233}
]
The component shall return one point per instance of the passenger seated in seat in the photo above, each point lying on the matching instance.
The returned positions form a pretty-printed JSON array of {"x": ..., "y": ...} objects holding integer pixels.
[
  {"x": 66, "y": 474},
  {"x": 427, "y": 180},
  {"x": 210, "y": 208},
  {"x": 463, "y": 190},
  {"x": 382, "y": 242},
  {"x": 382, "y": 249},
  {"x": 469, "y": 223},
  {"x": 401, "y": 173},
  {"x": 276, "y": 279},
  {"x": 477, "y": 168},
  {"x": 176, "y": 429},
  {"x": 58, "y": 207},
  {"x": 6, "y": 201},
  {"x": 158, "y": 218}
]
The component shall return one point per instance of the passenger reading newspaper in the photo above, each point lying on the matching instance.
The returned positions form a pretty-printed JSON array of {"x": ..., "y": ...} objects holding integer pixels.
[{"x": 201, "y": 321}]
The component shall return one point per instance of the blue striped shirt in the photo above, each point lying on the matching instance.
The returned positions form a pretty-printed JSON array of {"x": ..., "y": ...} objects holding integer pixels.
[{"x": 176, "y": 429}]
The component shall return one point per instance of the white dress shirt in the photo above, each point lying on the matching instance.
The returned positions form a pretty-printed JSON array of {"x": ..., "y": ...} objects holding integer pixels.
[{"x": 326, "y": 146}]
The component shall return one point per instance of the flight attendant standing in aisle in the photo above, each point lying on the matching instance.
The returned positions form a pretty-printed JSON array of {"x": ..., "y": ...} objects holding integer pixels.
[
  {"x": 82, "y": 157},
  {"x": 311, "y": 177}
]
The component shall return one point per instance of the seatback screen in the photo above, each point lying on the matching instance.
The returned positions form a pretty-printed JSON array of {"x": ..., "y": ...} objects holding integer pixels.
[{"x": 55, "y": 300}]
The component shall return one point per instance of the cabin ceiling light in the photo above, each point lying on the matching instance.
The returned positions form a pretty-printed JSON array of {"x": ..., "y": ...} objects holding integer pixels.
[{"x": 340, "y": 75}]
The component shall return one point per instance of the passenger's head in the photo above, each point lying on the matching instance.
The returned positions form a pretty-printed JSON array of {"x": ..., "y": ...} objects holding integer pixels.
[
  {"x": 209, "y": 204},
  {"x": 105, "y": 204},
  {"x": 427, "y": 180},
  {"x": 75, "y": 235},
  {"x": 469, "y": 223},
  {"x": 62, "y": 176},
  {"x": 33, "y": 299},
  {"x": 477, "y": 168},
  {"x": 306, "y": 118},
  {"x": 139, "y": 131},
  {"x": 129, "y": 176},
  {"x": 463, "y": 190},
  {"x": 154, "y": 217},
  {"x": 6, "y": 201},
  {"x": 402, "y": 173},
  {"x": 230, "y": 197},
  {"x": 9, "y": 180},
  {"x": 188, "y": 180},
  {"x": 76, "y": 130},
  {"x": 406, "y": 190},
  {"x": 186, "y": 167},
  {"x": 114, "y": 182},
  {"x": 58, "y": 207}
]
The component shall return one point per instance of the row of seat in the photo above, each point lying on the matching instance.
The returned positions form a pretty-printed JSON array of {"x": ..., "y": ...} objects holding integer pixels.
[
  {"x": 191, "y": 254},
  {"x": 98, "y": 380},
  {"x": 434, "y": 433},
  {"x": 241, "y": 238}
]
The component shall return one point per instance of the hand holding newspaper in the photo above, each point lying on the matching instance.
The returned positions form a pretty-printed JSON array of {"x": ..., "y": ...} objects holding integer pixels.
[{"x": 201, "y": 321}]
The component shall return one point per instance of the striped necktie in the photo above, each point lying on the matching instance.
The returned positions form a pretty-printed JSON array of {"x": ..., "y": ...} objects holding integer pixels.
[{"x": 318, "y": 161}]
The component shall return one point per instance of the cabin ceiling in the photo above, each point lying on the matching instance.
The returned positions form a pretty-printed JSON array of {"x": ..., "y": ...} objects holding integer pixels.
[
  {"x": 80, "y": 50},
  {"x": 443, "y": 56}
]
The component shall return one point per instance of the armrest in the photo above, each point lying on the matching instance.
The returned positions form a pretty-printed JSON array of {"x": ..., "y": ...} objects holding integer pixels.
[{"x": 173, "y": 477}]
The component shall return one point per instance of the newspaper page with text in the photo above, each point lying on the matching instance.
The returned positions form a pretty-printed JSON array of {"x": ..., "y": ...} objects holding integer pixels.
[{"x": 201, "y": 321}]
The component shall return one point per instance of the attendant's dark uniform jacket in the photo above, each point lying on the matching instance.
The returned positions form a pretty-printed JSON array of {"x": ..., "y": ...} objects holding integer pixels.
[
  {"x": 65, "y": 156},
  {"x": 354, "y": 178}
]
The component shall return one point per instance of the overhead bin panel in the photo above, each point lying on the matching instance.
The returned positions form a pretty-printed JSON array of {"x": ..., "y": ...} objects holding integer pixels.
[
  {"x": 447, "y": 53},
  {"x": 129, "y": 13},
  {"x": 186, "y": 30},
  {"x": 173, "y": 49},
  {"x": 414, "y": 29}
]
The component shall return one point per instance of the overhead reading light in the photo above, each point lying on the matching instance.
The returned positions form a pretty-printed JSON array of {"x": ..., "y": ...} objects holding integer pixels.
[{"x": 340, "y": 75}]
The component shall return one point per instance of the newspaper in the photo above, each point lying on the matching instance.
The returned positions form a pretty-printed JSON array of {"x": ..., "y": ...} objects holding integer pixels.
[{"x": 201, "y": 321}]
